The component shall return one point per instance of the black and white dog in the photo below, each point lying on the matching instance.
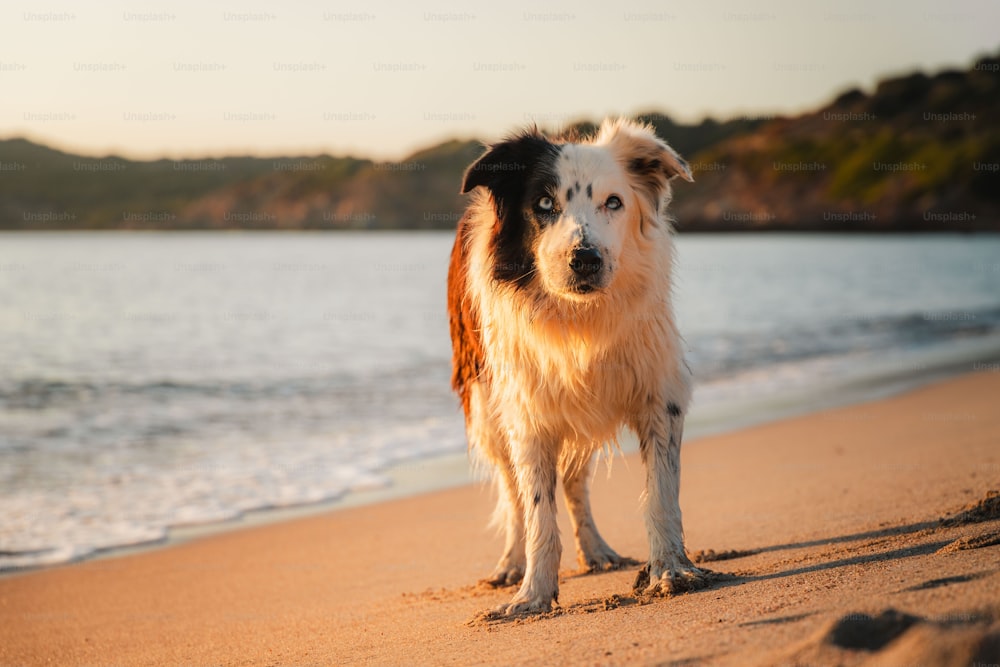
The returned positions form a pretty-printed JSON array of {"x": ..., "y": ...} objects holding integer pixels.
[{"x": 559, "y": 297}]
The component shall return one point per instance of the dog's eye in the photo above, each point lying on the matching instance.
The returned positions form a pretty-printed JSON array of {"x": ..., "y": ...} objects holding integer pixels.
[
  {"x": 613, "y": 203},
  {"x": 545, "y": 204}
]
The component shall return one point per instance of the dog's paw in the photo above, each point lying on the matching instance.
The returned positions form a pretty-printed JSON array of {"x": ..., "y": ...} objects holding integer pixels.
[
  {"x": 517, "y": 610},
  {"x": 524, "y": 605},
  {"x": 675, "y": 576},
  {"x": 604, "y": 560},
  {"x": 505, "y": 575}
]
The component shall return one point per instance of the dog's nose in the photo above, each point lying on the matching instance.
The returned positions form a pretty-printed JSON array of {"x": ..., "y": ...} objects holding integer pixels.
[{"x": 586, "y": 261}]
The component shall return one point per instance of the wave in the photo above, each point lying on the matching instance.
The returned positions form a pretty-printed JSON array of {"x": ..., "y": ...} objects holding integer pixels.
[
  {"x": 40, "y": 393},
  {"x": 714, "y": 356},
  {"x": 725, "y": 354}
]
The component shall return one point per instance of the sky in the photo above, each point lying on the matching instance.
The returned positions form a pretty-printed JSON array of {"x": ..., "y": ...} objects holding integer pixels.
[{"x": 382, "y": 79}]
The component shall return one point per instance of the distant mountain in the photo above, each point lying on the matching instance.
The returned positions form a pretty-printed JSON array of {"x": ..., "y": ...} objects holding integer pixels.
[
  {"x": 919, "y": 153},
  {"x": 41, "y": 188}
]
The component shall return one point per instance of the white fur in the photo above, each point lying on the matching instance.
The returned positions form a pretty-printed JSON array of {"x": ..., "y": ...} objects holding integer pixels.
[{"x": 565, "y": 371}]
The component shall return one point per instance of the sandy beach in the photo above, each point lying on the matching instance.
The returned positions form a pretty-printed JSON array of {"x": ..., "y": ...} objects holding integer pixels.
[{"x": 863, "y": 535}]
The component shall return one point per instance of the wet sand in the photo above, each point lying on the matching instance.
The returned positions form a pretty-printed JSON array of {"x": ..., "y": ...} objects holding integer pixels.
[{"x": 866, "y": 534}]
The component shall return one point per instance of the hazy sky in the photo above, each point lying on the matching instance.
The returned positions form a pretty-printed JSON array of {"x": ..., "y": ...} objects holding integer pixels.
[{"x": 185, "y": 78}]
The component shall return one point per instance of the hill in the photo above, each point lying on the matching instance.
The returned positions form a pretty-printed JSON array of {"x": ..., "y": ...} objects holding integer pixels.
[
  {"x": 44, "y": 188},
  {"x": 918, "y": 153}
]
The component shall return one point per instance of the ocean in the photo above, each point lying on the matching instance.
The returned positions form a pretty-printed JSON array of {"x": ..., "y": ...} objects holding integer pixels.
[{"x": 155, "y": 381}]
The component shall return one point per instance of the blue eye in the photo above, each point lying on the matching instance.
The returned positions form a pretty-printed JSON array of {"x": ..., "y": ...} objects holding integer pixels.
[
  {"x": 613, "y": 203},
  {"x": 545, "y": 204}
]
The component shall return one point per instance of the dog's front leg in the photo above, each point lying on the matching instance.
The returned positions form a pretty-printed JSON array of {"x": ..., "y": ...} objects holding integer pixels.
[
  {"x": 669, "y": 570},
  {"x": 535, "y": 468}
]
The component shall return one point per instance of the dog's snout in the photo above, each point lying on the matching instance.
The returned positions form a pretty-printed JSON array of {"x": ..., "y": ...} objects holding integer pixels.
[{"x": 586, "y": 261}]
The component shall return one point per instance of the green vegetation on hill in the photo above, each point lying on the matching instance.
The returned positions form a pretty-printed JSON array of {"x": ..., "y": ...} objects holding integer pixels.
[
  {"x": 42, "y": 188},
  {"x": 918, "y": 153}
]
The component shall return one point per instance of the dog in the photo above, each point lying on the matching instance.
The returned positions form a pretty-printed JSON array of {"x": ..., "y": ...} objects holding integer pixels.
[{"x": 562, "y": 328}]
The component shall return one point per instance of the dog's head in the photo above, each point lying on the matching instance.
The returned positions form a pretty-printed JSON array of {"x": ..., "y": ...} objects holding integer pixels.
[{"x": 566, "y": 212}]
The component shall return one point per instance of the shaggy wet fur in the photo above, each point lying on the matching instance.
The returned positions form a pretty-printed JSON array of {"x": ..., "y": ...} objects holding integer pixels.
[{"x": 559, "y": 295}]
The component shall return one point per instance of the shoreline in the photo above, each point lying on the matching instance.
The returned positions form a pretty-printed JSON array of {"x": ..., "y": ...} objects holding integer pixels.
[
  {"x": 723, "y": 230},
  {"x": 404, "y": 480},
  {"x": 418, "y": 476},
  {"x": 822, "y": 522}
]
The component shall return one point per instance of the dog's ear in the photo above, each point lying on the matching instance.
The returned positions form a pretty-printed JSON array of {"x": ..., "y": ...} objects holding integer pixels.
[
  {"x": 504, "y": 160},
  {"x": 490, "y": 168},
  {"x": 649, "y": 161},
  {"x": 504, "y": 167}
]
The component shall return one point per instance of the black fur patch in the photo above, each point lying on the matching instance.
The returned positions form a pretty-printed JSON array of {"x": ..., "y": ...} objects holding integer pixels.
[
  {"x": 569, "y": 194},
  {"x": 516, "y": 172},
  {"x": 673, "y": 409},
  {"x": 640, "y": 165},
  {"x": 590, "y": 190},
  {"x": 537, "y": 499}
]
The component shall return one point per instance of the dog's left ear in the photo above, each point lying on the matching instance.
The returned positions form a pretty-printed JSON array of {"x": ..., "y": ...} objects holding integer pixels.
[{"x": 648, "y": 159}]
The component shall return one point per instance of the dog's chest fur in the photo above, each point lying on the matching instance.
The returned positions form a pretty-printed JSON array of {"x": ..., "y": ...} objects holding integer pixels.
[{"x": 582, "y": 374}]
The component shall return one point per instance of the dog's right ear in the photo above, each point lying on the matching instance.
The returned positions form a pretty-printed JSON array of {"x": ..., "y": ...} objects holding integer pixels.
[
  {"x": 507, "y": 161},
  {"x": 486, "y": 171},
  {"x": 505, "y": 168}
]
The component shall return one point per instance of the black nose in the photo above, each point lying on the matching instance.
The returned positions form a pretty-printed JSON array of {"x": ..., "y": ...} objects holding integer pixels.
[{"x": 586, "y": 261}]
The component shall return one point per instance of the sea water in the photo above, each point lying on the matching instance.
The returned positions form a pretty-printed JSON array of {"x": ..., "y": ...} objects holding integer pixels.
[{"x": 156, "y": 380}]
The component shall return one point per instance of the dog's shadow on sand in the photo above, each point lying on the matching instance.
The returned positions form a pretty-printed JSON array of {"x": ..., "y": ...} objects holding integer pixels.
[
  {"x": 714, "y": 580},
  {"x": 710, "y": 580},
  {"x": 912, "y": 539}
]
